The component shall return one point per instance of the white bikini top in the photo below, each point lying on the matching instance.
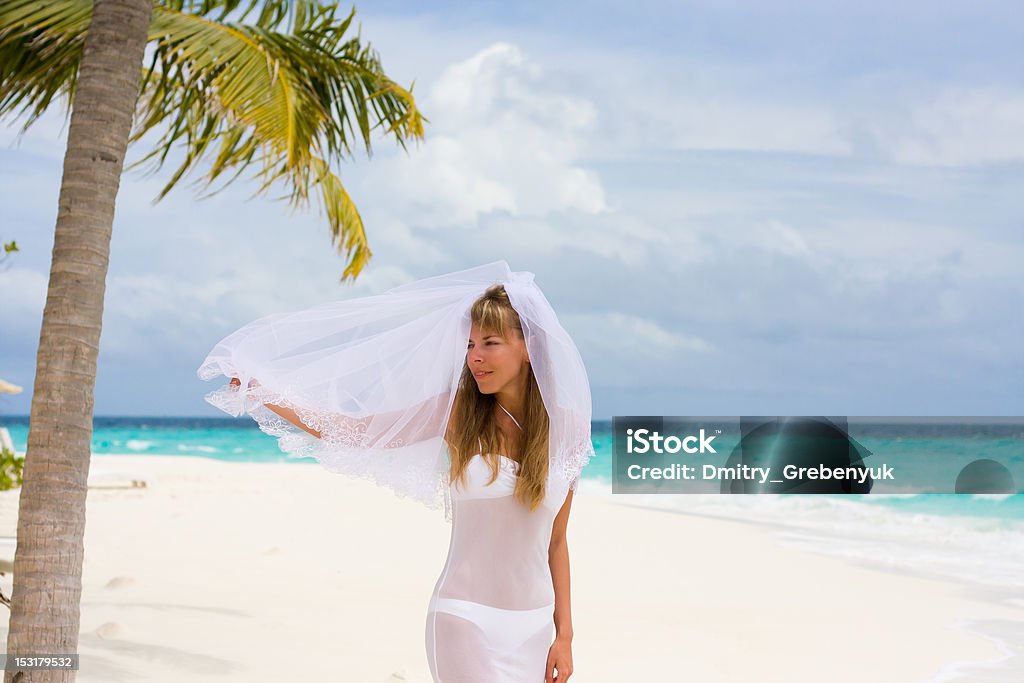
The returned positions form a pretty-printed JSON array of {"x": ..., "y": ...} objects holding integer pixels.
[
  {"x": 479, "y": 472},
  {"x": 504, "y": 458}
]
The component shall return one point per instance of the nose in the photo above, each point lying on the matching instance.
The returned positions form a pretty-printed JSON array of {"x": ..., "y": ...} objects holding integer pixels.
[{"x": 473, "y": 355}]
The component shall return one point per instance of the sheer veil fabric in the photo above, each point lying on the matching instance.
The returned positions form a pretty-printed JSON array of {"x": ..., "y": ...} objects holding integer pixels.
[{"x": 376, "y": 376}]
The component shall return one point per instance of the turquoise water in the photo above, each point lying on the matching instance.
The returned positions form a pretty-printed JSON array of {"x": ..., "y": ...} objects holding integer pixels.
[
  {"x": 923, "y": 450},
  {"x": 979, "y": 538}
]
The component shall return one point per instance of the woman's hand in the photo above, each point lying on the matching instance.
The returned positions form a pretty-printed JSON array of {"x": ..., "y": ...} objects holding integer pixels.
[
  {"x": 235, "y": 382},
  {"x": 559, "y": 657}
]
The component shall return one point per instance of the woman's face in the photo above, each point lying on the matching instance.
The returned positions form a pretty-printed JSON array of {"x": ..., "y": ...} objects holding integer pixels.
[{"x": 496, "y": 362}]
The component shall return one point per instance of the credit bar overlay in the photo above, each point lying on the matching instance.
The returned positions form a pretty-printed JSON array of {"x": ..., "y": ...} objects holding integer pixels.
[{"x": 793, "y": 454}]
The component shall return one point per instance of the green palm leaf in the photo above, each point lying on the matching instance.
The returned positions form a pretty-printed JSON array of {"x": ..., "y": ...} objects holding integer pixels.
[{"x": 283, "y": 94}]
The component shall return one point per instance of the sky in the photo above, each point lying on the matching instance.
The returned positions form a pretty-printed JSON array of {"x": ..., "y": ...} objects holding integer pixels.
[{"x": 735, "y": 208}]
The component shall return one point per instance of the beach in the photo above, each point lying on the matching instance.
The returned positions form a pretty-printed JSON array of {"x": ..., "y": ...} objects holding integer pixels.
[{"x": 250, "y": 571}]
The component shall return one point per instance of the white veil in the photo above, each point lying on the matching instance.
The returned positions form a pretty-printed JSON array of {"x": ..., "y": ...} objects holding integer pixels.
[{"x": 376, "y": 377}]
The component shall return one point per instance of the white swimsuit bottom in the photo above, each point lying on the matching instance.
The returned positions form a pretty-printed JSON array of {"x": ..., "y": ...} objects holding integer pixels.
[{"x": 472, "y": 643}]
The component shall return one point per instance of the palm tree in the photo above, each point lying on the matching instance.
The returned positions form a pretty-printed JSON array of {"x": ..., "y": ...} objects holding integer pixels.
[{"x": 269, "y": 85}]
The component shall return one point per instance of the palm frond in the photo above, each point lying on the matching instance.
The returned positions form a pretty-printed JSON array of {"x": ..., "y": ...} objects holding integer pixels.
[
  {"x": 40, "y": 49},
  {"x": 288, "y": 94},
  {"x": 347, "y": 230}
]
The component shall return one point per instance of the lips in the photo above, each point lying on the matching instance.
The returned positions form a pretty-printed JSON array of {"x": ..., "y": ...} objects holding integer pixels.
[{"x": 478, "y": 375}]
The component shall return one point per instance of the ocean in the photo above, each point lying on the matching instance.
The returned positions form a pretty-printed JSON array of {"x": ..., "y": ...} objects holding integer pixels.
[{"x": 974, "y": 538}]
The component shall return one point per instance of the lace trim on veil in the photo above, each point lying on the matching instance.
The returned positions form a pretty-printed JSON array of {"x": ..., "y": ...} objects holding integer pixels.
[
  {"x": 343, "y": 447},
  {"x": 418, "y": 471}
]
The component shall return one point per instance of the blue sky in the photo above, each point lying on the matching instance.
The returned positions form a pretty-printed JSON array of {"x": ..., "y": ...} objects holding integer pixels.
[{"x": 783, "y": 208}]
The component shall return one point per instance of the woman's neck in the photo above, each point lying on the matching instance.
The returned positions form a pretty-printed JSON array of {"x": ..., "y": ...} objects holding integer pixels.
[{"x": 513, "y": 399}]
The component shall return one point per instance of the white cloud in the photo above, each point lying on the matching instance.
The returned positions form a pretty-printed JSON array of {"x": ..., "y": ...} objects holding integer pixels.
[
  {"x": 622, "y": 349},
  {"x": 766, "y": 271},
  {"x": 46, "y": 138},
  {"x": 737, "y": 123},
  {"x": 630, "y": 335},
  {"x": 23, "y": 292},
  {"x": 866, "y": 251},
  {"x": 503, "y": 137},
  {"x": 776, "y": 236},
  {"x": 654, "y": 102},
  {"x": 965, "y": 126},
  {"x": 618, "y": 238}
]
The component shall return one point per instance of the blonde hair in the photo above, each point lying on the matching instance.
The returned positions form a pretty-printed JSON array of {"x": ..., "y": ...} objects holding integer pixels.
[{"x": 473, "y": 415}]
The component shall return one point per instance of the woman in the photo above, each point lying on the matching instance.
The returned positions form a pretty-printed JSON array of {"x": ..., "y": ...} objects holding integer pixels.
[{"x": 511, "y": 425}]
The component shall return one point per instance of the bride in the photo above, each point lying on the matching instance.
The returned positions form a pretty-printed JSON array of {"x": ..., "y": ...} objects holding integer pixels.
[{"x": 512, "y": 448}]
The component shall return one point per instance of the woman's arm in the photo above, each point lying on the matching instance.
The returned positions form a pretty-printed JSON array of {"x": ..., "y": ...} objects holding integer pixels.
[
  {"x": 286, "y": 413},
  {"x": 415, "y": 426},
  {"x": 560, "y": 654},
  {"x": 289, "y": 414}
]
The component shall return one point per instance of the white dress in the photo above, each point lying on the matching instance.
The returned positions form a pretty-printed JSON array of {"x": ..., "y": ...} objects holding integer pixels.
[{"x": 490, "y": 618}]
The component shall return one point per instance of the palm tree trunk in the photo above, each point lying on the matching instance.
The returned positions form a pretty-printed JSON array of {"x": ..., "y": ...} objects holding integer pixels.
[{"x": 45, "y": 617}]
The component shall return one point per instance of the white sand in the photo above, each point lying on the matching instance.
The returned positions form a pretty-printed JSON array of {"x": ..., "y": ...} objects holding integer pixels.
[{"x": 268, "y": 572}]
